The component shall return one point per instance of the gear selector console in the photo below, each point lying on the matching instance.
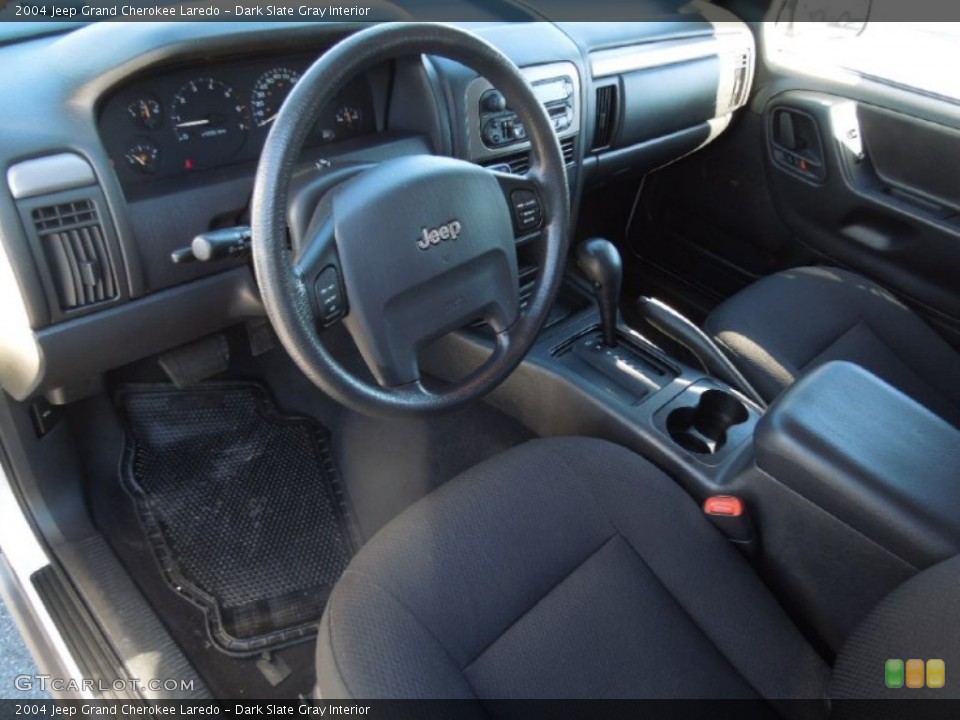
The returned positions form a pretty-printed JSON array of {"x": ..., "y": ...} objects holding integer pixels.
[{"x": 623, "y": 370}]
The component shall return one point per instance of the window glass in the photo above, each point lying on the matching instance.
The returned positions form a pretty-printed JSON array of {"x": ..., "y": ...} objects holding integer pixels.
[{"x": 848, "y": 40}]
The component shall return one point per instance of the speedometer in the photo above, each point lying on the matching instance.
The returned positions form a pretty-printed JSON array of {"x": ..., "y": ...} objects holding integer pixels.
[
  {"x": 209, "y": 119},
  {"x": 269, "y": 92}
]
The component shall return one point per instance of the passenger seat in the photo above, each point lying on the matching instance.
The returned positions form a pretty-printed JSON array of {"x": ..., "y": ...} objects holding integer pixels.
[{"x": 789, "y": 323}]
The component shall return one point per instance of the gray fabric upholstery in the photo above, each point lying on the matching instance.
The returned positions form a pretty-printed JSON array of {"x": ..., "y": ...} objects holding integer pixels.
[
  {"x": 789, "y": 323},
  {"x": 561, "y": 568},
  {"x": 920, "y": 619}
]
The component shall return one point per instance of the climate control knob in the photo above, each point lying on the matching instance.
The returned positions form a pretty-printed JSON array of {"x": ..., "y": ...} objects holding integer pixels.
[{"x": 493, "y": 101}]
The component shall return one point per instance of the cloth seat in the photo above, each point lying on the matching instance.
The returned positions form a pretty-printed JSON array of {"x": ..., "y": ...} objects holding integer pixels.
[
  {"x": 572, "y": 568},
  {"x": 919, "y": 620},
  {"x": 563, "y": 568},
  {"x": 789, "y": 323}
]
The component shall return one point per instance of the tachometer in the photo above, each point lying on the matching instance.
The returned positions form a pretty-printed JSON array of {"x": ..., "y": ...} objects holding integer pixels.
[
  {"x": 207, "y": 115},
  {"x": 269, "y": 92}
]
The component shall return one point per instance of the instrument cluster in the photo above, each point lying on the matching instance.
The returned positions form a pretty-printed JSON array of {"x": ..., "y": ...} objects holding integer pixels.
[{"x": 190, "y": 120}]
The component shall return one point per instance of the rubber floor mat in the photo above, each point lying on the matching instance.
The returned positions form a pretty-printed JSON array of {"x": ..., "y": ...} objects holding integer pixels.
[{"x": 241, "y": 505}]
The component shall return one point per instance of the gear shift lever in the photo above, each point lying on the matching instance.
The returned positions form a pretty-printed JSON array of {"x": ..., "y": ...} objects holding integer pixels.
[{"x": 599, "y": 260}]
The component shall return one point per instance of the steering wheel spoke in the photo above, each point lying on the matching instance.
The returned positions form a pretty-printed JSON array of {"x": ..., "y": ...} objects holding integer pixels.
[{"x": 318, "y": 269}]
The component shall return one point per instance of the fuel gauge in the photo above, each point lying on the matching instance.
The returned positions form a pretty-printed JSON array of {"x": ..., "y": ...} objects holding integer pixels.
[
  {"x": 348, "y": 117},
  {"x": 143, "y": 156},
  {"x": 146, "y": 112}
]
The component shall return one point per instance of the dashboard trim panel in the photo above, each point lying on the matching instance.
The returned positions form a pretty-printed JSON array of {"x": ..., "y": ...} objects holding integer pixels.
[
  {"x": 630, "y": 58},
  {"x": 50, "y": 174}
]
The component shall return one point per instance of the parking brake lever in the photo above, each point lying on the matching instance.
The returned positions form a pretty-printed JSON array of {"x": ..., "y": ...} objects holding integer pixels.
[{"x": 679, "y": 328}]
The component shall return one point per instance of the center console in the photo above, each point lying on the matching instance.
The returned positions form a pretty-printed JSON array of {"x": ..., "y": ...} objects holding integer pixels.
[
  {"x": 856, "y": 487},
  {"x": 867, "y": 454},
  {"x": 609, "y": 381}
]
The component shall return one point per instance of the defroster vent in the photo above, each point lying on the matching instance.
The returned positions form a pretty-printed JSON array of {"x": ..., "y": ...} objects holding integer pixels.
[{"x": 75, "y": 248}]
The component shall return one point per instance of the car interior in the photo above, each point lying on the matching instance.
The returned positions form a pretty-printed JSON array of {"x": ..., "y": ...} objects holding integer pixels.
[{"x": 511, "y": 357}]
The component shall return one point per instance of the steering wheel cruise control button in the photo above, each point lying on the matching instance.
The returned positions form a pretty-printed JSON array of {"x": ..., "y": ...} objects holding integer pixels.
[
  {"x": 329, "y": 299},
  {"x": 526, "y": 209}
]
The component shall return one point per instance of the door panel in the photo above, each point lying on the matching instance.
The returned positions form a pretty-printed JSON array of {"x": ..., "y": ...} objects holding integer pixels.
[
  {"x": 912, "y": 156},
  {"x": 879, "y": 193}
]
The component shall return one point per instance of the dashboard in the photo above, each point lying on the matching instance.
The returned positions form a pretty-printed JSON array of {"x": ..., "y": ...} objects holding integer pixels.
[
  {"x": 124, "y": 141},
  {"x": 210, "y": 115}
]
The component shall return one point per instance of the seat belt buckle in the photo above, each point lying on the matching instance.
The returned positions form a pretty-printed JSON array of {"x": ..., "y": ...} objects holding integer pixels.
[{"x": 729, "y": 514}]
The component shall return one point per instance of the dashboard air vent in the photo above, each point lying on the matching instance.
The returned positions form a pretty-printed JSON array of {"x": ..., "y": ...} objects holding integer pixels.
[
  {"x": 519, "y": 163},
  {"x": 75, "y": 248},
  {"x": 740, "y": 87},
  {"x": 606, "y": 113}
]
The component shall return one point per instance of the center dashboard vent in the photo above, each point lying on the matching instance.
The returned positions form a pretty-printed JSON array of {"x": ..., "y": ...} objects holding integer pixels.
[
  {"x": 519, "y": 163},
  {"x": 607, "y": 96},
  {"x": 75, "y": 247}
]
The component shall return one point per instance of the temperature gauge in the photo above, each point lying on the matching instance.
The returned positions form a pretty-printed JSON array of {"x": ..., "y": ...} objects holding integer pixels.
[
  {"x": 143, "y": 156},
  {"x": 146, "y": 112}
]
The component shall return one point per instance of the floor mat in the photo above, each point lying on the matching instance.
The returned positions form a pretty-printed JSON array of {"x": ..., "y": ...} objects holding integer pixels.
[{"x": 242, "y": 507}]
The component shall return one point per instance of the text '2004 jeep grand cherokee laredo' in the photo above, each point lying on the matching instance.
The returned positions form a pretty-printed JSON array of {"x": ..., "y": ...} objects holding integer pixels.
[{"x": 329, "y": 377}]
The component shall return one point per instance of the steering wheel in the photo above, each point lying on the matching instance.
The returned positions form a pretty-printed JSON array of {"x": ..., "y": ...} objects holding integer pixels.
[{"x": 412, "y": 248}]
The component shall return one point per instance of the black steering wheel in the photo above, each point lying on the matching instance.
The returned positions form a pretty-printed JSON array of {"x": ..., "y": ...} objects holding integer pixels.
[{"x": 412, "y": 248}]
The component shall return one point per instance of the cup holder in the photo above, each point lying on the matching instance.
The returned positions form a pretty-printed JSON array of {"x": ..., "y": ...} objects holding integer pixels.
[{"x": 702, "y": 428}]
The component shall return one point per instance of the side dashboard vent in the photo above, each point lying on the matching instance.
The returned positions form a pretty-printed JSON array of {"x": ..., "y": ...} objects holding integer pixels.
[
  {"x": 568, "y": 146},
  {"x": 606, "y": 115},
  {"x": 75, "y": 247},
  {"x": 741, "y": 70}
]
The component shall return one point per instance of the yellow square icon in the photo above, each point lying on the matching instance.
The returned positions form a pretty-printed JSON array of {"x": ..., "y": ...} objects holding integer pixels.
[
  {"x": 914, "y": 673},
  {"x": 936, "y": 673}
]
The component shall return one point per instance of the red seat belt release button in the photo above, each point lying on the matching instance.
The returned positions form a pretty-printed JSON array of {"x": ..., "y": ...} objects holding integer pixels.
[
  {"x": 729, "y": 515},
  {"x": 726, "y": 505}
]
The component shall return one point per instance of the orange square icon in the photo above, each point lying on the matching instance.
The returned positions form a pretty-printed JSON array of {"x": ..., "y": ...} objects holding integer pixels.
[
  {"x": 936, "y": 673},
  {"x": 915, "y": 673}
]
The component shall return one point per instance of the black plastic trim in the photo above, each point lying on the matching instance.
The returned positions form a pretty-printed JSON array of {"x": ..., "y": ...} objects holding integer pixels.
[{"x": 76, "y": 350}]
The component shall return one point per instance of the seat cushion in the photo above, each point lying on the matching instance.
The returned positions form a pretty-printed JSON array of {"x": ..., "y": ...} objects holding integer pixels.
[
  {"x": 919, "y": 620},
  {"x": 789, "y": 323},
  {"x": 563, "y": 568}
]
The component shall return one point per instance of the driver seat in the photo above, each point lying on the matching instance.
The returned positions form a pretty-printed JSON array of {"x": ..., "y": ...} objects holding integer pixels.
[{"x": 564, "y": 568}]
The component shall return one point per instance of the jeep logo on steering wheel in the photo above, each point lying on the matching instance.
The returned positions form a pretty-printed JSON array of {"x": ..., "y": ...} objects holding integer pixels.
[{"x": 434, "y": 236}]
